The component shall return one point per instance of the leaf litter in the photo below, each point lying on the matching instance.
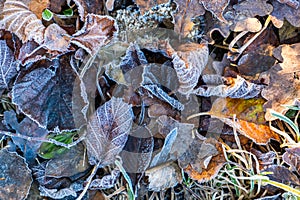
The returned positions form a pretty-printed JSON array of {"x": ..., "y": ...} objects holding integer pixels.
[{"x": 107, "y": 98}]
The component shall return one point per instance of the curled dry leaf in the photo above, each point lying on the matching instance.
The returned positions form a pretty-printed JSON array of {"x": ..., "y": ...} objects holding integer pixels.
[
  {"x": 189, "y": 62},
  {"x": 284, "y": 11},
  {"x": 107, "y": 131},
  {"x": 292, "y": 158},
  {"x": 95, "y": 33},
  {"x": 15, "y": 176},
  {"x": 18, "y": 19},
  {"x": 171, "y": 176},
  {"x": 56, "y": 38},
  {"x": 8, "y": 66},
  {"x": 86, "y": 7},
  {"x": 279, "y": 93},
  {"x": 186, "y": 10},
  {"x": 44, "y": 93}
]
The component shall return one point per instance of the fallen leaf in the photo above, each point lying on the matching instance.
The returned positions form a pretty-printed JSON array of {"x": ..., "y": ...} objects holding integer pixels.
[
  {"x": 44, "y": 93},
  {"x": 38, "y": 6},
  {"x": 145, "y": 5},
  {"x": 171, "y": 177},
  {"x": 216, "y": 7},
  {"x": 252, "y": 8},
  {"x": 106, "y": 182},
  {"x": 186, "y": 10},
  {"x": 18, "y": 19},
  {"x": 292, "y": 158},
  {"x": 189, "y": 62},
  {"x": 279, "y": 93},
  {"x": 56, "y": 38},
  {"x": 8, "y": 66},
  {"x": 59, "y": 193},
  {"x": 29, "y": 128},
  {"x": 96, "y": 32},
  {"x": 15, "y": 176},
  {"x": 106, "y": 137},
  {"x": 284, "y": 11},
  {"x": 248, "y": 24},
  {"x": 86, "y": 7}
]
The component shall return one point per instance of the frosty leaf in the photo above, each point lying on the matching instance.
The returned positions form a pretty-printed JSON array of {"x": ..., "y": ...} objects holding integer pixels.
[
  {"x": 57, "y": 194},
  {"x": 248, "y": 24},
  {"x": 170, "y": 173},
  {"x": 8, "y": 66},
  {"x": 44, "y": 93},
  {"x": 86, "y": 7},
  {"x": 292, "y": 158},
  {"x": 56, "y": 38},
  {"x": 68, "y": 164},
  {"x": 106, "y": 182},
  {"x": 189, "y": 63},
  {"x": 186, "y": 10},
  {"x": 96, "y": 32},
  {"x": 145, "y": 5},
  {"x": 18, "y": 19},
  {"x": 216, "y": 7},
  {"x": 37, "y": 7},
  {"x": 107, "y": 131},
  {"x": 289, "y": 55},
  {"x": 284, "y": 11},
  {"x": 15, "y": 176},
  {"x": 278, "y": 93},
  {"x": 252, "y": 8},
  {"x": 29, "y": 128}
]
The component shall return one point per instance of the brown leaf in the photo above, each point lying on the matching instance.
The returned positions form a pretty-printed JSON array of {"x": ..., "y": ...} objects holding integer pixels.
[
  {"x": 252, "y": 8},
  {"x": 264, "y": 159},
  {"x": 86, "y": 7},
  {"x": 56, "y": 38},
  {"x": 56, "y": 5},
  {"x": 171, "y": 177},
  {"x": 18, "y": 19},
  {"x": 212, "y": 169},
  {"x": 289, "y": 55},
  {"x": 284, "y": 11},
  {"x": 96, "y": 32},
  {"x": 38, "y": 6},
  {"x": 189, "y": 62},
  {"x": 107, "y": 131},
  {"x": 216, "y": 7},
  {"x": 146, "y": 5},
  {"x": 186, "y": 10},
  {"x": 292, "y": 158},
  {"x": 282, "y": 89}
]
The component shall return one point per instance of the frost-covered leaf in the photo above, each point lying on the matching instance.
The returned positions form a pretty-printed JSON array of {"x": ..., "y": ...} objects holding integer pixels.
[
  {"x": 56, "y": 38},
  {"x": 96, "y": 32},
  {"x": 189, "y": 62},
  {"x": 18, "y": 19},
  {"x": 284, "y": 11},
  {"x": 107, "y": 131},
  {"x": 145, "y": 5},
  {"x": 252, "y": 8},
  {"x": 171, "y": 176},
  {"x": 292, "y": 158},
  {"x": 15, "y": 176},
  {"x": 106, "y": 182},
  {"x": 57, "y": 193},
  {"x": 29, "y": 128},
  {"x": 8, "y": 66},
  {"x": 37, "y": 7},
  {"x": 44, "y": 93},
  {"x": 86, "y": 7},
  {"x": 216, "y": 7}
]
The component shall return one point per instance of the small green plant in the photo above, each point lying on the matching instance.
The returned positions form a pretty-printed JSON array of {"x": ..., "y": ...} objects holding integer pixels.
[{"x": 47, "y": 15}]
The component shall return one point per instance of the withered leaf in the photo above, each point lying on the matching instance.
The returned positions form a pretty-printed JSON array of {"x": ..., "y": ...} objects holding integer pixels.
[
  {"x": 15, "y": 176},
  {"x": 56, "y": 38},
  {"x": 186, "y": 10},
  {"x": 292, "y": 158},
  {"x": 189, "y": 62},
  {"x": 145, "y": 5},
  {"x": 252, "y": 8},
  {"x": 86, "y": 7},
  {"x": 18, "y": 19},
  {"x": 107, "y": 131},
  {"x": 284, "y": 11},
  {"x": 38, "y": 6},
  {"x": 278, "y": 93},
  {"x": 106, "y": 182},
  {"x": 58, "y": 193},
  {"x": 289, "y": 55},
  {"x": 171, "y": 176},
  {"x": 44, "y": 93},
  {"x": 28, "y": 128},
  {"x": 96, "y": 32},
  {"x": 8, "y": 66},
  {"x": 216, "y": 7}
]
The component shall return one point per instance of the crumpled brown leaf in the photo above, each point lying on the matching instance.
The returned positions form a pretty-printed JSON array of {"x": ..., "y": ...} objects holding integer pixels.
[
  {"x": 18, "y": 19},
  {"x": 292, "y": 158},
  {"x": 107, "y": 131},
  {"x": 86, "y": 7},
  {"x": 38, "y": 6},
  {"x": 15, "y": 176},
  {"x": 56, "y": 38},
  {"x": 252, "y": 8},
  {"x": 96, "y": 32}
]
